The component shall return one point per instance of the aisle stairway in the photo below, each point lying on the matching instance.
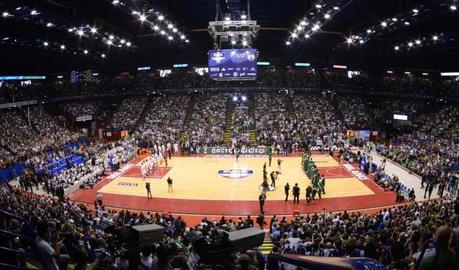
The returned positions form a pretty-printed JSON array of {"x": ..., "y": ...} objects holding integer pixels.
[
  {"x": 145, "y": 111},
  {"x": 289, "y": 104},
  {"x": 267, "y": 245},
  {"x": 252, "y": 108},
  {"x": 230, "y": 106},
  {"x": 188, "y": 116},
  {"x": 337, "y": 110}
]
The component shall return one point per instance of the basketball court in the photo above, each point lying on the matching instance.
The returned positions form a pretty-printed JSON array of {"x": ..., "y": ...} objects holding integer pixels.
[{"x": 218, "y": 185}]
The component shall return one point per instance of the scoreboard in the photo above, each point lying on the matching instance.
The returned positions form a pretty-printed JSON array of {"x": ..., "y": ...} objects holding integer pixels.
[{"x": 233, "y": 64}]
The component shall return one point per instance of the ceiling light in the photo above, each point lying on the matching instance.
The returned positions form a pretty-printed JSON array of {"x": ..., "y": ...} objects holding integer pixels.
[
  {"x": 417, "y": 41},
  {"x": 49, "y": 24},
  {"x": 163, "y": 32},
  {"x": 174, "y": 30},
  {"x": 128, "y": 44},
  {"x": 327, "y": 16},
  {"x": 115, "y": 2},
  {"x": 233, "y": 42},
  {"x": 369, "y": 31},
  {"x": 383, "y": 24},
  {"x": 288, "y": 43},
  {"x": 361, "y": 41},
  {"x": 122, "y": 41},
  {"x": 187, "y": 41},
  {"x": 410, "y": 44},
  {"x": 170, "y": 26},
  {"x": 34, "y": 12},
  {"x": 135, "y": 12},
  {"x": 397, "y": 48},
  {"x": 415, "y": 10},
  {"x": 160, "y": 17},
  {"x": 156, "y": 27},
  {"x": 102, "y": 55},
  {"x": 109, "y": 42},
  {"x": 111, "y": 37},
  {"x": 349, "y": 40},
  {"x": 85, "y": 51},
  {"x": 303, "y": 23},
  {"x": 45, "y": 44},
  {"x": 5, "y": 14},
  {"x": 93, "y": 30},
  {"x": 435, "y": 37},
  {"x": 306, "y": 36},
  {"x": 407, "y": 23},
  {"x": 62, "y": 47},
  {"x": 299, "y": 28},
  {"x": 453, "y": 7},
  {"x": 227, "y": 18},
  {"x": 318, "y": 6},
  {"x": 170, "y": 38},
  {"x": 335, "y": 8},
  {"x": 182, "y": 37},
  {"x": 80, "y": 32},
  {"x": 294, "y": 35},
  {"x": 244, "y": 43},
  {"x": 70, "y": 30},
  {"x": 315, "y": 27},
  {"x": 394, "y": 19},
  {"x": 142, "y": 18},
  {"x": 243, "y": 16}
]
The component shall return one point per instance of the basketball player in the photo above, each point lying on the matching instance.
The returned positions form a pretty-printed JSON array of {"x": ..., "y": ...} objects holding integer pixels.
[
  {"x": 279, "y": 162},
  {"x": 143, "y": 170},
  {"x": 169, "y": 185},
  {"x": 147, "y": 187}
]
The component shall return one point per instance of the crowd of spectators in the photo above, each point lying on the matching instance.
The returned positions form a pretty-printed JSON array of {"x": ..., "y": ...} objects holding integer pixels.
[
  {"x": 76, "y": 109},
  {"x": 128, "y": 113}
]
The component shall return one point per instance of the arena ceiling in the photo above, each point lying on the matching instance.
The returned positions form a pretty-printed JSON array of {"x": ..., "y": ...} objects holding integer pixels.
[{"x": 43, "y": 36}]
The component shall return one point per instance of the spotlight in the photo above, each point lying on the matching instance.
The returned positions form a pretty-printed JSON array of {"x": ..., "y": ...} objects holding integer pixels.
[
  {"x": 174, "y": 30},
  {"x": 62, "y": 47},
  {"x": 122, "y": 41},
  {"x": 34, "y": 12},
  {"x": 109, "y": 42},
  {"x": 93, "y": 30},
  {"x": 243, "y": 16},
  {"x": 233, "y": 42},
  {"x": 244, "y": 43},
  {"x": 383, "y": 24},
  {"x": 294, "y": 35},
  {"x": 85, "y": 51},
  {"x": 369, "y": 31},
  {"x": 70, "y": 30},
  {"x": 45, "y": 44},
  {"x": 361, "y": 41},
  {"x": 327, "y": 16},
  {"x": 80, "y": 33},
  {"x": 244, "y": 98},
  {"x": 187, "y": 41},
  {"x": 415, "y": 11},
  {"x": 156, "y": 28},
  {"x": 170, "y": 26},
  {"x": 234, "y": 98},
  {"x": 227, "y": 18},
  {"x": 394, "y": 19},
  {"x": 160, "y": 17},
  {"x": 162, "y": 32},
  {"x": 417, "y": 41},
  {"x": 349, "y": 41},
  {"x": 182, "y": 37},
  {"x": 410, "y": 44},
  {"x": 396, "y": 48},
  {"x": 170, "y": 38},
  {"x": 111, "y": 37},
  {"x": 115, "y": 2},
  {"x": 407, "y": 23},
  {"x": 453, "y": 7},
  {"x": 306, "y": 36},
  {"x": 435, "y": 38},
  {"x": 142, "y": 18},
  {"x": 134, "y": 12},
  {"x": 5, "y": 14},
  {"x": 128, "y": 44},
  {"x": 318, "y": 6},
  {"x": 336, "y": 8},
  {"x": 102, "y": 55},
  {"x": 288, "y": 43},
  {"x": 49, "y": 25},
  {"x": 303, "y": 23},
  {"x": 315, "y": 27},
  {"x": 299, "y": 28}
]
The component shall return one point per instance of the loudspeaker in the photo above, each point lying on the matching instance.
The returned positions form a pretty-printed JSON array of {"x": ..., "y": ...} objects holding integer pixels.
[
  {"x": 246, "y": 239},
  {"x": 148, "y": 234}
]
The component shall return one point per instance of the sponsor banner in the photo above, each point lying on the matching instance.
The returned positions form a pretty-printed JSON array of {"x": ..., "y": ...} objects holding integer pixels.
[
  {"x": 235, "y": 173},
  {"x": 229, "y": 151},
  {"x": 120, "y": 171},
  {"x": 84, "y": 118},
  {"x": 127, "y": 184},
  {"x": 356, "y": 172}
]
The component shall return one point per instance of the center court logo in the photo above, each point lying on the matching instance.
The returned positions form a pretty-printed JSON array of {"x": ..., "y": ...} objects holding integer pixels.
[{"x": 235, "y": 173}]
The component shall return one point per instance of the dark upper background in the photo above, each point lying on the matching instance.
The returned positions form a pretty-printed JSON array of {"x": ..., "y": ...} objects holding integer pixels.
[{"x": 192, "y": 16}]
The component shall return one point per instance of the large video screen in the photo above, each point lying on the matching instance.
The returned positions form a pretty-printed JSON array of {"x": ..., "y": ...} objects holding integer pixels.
[{"x": 233, "y": 64}]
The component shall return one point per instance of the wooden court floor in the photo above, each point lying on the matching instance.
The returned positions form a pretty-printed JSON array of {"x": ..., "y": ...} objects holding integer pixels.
[{"x": 197, "y": 178}]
